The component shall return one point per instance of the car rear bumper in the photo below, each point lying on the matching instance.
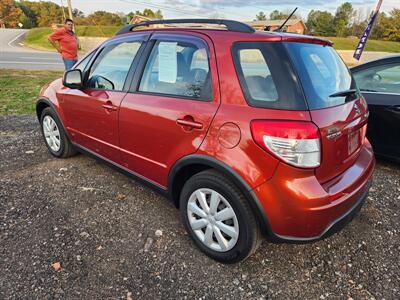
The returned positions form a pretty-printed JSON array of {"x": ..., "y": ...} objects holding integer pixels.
[{"x": 300, "y": 209}]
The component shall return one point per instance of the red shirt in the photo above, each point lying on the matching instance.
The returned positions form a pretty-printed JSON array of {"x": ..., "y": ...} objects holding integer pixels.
[{"x": 68, "y": 43}]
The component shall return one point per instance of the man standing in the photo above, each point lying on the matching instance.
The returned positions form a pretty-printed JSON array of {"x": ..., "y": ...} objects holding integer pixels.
[{"x": 66, "y": 43}]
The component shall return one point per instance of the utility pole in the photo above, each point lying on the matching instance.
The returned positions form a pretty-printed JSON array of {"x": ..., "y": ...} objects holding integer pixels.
[{"x": 70, "y": 9}]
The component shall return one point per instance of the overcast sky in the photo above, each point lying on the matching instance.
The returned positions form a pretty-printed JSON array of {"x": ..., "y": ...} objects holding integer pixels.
[{"x": 230, "y": 9}]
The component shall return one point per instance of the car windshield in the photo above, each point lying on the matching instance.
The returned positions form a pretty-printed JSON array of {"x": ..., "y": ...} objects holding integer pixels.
[{"x": 322, "y": 74}]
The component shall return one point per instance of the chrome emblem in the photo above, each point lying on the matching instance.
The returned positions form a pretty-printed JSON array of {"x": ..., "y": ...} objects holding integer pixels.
[
  {"x": 333, "y": 133},
  {"x": 357, "y": 109}
]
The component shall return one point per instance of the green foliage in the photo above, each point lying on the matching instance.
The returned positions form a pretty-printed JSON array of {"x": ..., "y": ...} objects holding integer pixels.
[
  {"x": 391, "y": 26},
  {"x": 320, "y": 23},
  {"x": 45, "y": 12},
  {"x": 148, "y": 13},
  {"x": 343, "y": 17},
  {"x": 277, "y": 15},
  {"x": 261, "y": 16},
  {"x": 101, "y": 17}
]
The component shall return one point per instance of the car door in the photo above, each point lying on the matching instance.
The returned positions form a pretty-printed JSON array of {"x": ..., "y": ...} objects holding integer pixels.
[
  {"x": 91, "y": 113},
  {"x": 380, "y": 85},
  {"x": 170, "y": 106}
]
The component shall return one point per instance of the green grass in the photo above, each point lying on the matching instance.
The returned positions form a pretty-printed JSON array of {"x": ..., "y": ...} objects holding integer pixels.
[
  {"x": 19, "y": 89},
  {"x": 37, "y": 37},
  {"x": 372, "y": 45}
]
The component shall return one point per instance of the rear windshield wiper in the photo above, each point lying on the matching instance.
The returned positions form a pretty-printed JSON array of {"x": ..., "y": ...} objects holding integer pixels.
[{"x": 344, "y": 93}]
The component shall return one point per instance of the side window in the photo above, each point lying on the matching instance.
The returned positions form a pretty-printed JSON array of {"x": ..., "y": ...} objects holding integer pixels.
[
  {"x": 384, "y": 79},
  {"x": 178, "y": 68},
  {"x": 257, "y": 75},
  {"x": 83, "y": 63},
  {"x": 111, "y": 67}
]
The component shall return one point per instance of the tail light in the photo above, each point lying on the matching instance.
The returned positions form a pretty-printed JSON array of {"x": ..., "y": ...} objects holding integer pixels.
[{"x": 296, "y": 143}]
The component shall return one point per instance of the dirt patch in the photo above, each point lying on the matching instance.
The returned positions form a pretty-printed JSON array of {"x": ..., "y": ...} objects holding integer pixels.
[{"x": 75, "y": 228}]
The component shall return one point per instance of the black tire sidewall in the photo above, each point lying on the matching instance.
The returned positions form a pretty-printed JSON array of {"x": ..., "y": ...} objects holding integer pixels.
[
  {"x": 49, "y": 112},
  {"x": 244, "y": 244}
]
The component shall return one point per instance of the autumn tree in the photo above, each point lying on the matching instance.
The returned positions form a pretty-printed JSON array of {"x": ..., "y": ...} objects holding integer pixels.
[{"x": 10, "y": 14}]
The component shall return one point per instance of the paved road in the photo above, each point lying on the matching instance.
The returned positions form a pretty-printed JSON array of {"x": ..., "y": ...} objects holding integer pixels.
[{"x": 13, "y": 56}]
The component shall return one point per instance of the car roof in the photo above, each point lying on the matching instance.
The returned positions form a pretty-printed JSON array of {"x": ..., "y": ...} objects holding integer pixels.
[
  {"x": 216, "y": 33},
  {"x": 378, "y": 62}
]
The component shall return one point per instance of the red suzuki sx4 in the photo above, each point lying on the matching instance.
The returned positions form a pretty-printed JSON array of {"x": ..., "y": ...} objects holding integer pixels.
[{"x": 250, "y": 134}]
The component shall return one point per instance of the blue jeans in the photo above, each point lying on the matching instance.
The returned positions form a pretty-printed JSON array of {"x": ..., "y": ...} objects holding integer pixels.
[{"x": 69, "y": 63}]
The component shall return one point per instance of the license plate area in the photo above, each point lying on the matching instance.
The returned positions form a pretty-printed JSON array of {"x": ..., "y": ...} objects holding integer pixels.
[{"x": 354, "y": 141}]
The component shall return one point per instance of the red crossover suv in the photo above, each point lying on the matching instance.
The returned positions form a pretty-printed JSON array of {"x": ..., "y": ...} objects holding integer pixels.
[{"x": 248, "y": 133}]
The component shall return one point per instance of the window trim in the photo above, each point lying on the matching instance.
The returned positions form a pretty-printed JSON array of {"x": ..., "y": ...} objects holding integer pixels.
[
  {"x": 142, "y": 38},
  {"x": 168, "y": 37}
]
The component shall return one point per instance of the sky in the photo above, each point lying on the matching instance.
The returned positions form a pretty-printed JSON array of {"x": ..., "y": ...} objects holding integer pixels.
[{"x": 243, "y": 10}]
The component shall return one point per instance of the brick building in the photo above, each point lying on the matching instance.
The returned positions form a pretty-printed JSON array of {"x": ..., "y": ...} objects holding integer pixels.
[{"x": 293, "y": 25}]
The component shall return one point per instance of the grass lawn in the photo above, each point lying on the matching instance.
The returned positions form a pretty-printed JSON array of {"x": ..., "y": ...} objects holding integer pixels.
[
  {"x": 37, "y": 37},
  {"x": 19, "y": 89},
  {"x": 372, "y": 45}
]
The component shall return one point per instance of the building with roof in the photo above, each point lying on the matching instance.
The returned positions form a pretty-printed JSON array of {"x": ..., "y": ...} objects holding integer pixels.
[{"x": 292, "y": 25}]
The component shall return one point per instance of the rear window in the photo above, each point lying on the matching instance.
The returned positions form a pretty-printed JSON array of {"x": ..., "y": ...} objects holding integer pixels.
[
  {"x": 266, "y": 76},
  {"x": 322, "y": 73}
]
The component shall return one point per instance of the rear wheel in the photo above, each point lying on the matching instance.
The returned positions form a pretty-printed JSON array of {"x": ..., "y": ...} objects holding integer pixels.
[
  {"x": 54, "y": 135},
  {"x": 218, "y": 218}
]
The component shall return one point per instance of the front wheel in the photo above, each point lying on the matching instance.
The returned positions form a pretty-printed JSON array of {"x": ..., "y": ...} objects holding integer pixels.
[
  {"x": 54, "y": 135},
  {"x": 218, "y": 218}
]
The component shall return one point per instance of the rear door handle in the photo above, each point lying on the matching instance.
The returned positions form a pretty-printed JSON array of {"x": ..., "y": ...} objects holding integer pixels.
[
  {"x": 109, "y": 106},
  {"x": 188, "y": 123}
]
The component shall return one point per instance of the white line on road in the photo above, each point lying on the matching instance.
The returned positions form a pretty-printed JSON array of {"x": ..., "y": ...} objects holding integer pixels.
[
  {"x": 43, "y": 58},
  {"x": 29, "y": 62},
  {"x": 14, "y": 39}
]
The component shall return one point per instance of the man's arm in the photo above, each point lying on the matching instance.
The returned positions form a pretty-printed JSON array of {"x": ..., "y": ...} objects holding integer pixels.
[{"x": 53, "y": 39}]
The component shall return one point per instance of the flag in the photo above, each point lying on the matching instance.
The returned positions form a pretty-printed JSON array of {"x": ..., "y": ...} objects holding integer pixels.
[{"x": 364, "y": 38}]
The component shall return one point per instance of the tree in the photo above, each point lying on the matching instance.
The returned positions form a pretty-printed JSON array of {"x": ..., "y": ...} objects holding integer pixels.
[
  {"x": 76, "y": 13},
  {"x": 343, "y": 16},
  {"x": 391, "y": 26},
  {"x": 277, "y": 15},
  {"x": 10, "y": 13},
  {"x": 147, "y": 12},
  {"x": 261, "y": 16},
  {"x": 320, "y": 23},
  {"x": 45, "y": 12},
  {"x": 101, "y": 17}
]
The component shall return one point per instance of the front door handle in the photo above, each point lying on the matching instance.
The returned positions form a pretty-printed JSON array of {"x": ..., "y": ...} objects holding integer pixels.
[
  {"x": 109, "y": 106},
  {"x": 189, "y": 123}
]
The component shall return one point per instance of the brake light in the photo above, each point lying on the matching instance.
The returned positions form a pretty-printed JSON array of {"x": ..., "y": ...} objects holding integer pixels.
[{"x": 296, "y": 143}]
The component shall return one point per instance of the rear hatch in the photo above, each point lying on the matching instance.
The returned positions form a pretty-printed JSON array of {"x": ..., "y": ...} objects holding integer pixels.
[{"x": 335, "y": 103}]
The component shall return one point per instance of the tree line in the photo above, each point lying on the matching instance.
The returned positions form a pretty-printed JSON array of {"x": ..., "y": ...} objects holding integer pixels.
[
  {"x": 44, "y": 13},
  {"x": 346, "y": 21}
]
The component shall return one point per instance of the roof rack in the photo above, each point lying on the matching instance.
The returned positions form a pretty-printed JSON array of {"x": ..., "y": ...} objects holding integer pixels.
[{"x": 229, "y": 24}]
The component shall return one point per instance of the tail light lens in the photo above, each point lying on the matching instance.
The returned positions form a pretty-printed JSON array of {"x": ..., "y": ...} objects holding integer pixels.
[{"x": 296, "y": 143}]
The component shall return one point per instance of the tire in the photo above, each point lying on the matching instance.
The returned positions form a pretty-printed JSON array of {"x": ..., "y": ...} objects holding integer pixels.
[
  {"x": 51, "y": 125},
  {"x": 205, "y": 229}
]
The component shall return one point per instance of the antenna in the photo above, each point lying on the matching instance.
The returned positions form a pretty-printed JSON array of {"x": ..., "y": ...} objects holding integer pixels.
[{"x": 284, "y": 23}]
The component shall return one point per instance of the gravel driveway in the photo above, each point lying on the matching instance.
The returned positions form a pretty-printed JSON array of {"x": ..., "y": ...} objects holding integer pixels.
[{"x": 115, "y": 238}]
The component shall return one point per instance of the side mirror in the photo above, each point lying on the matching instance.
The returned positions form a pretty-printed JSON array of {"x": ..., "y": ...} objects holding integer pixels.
[{"x": 73, "y": 79}]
